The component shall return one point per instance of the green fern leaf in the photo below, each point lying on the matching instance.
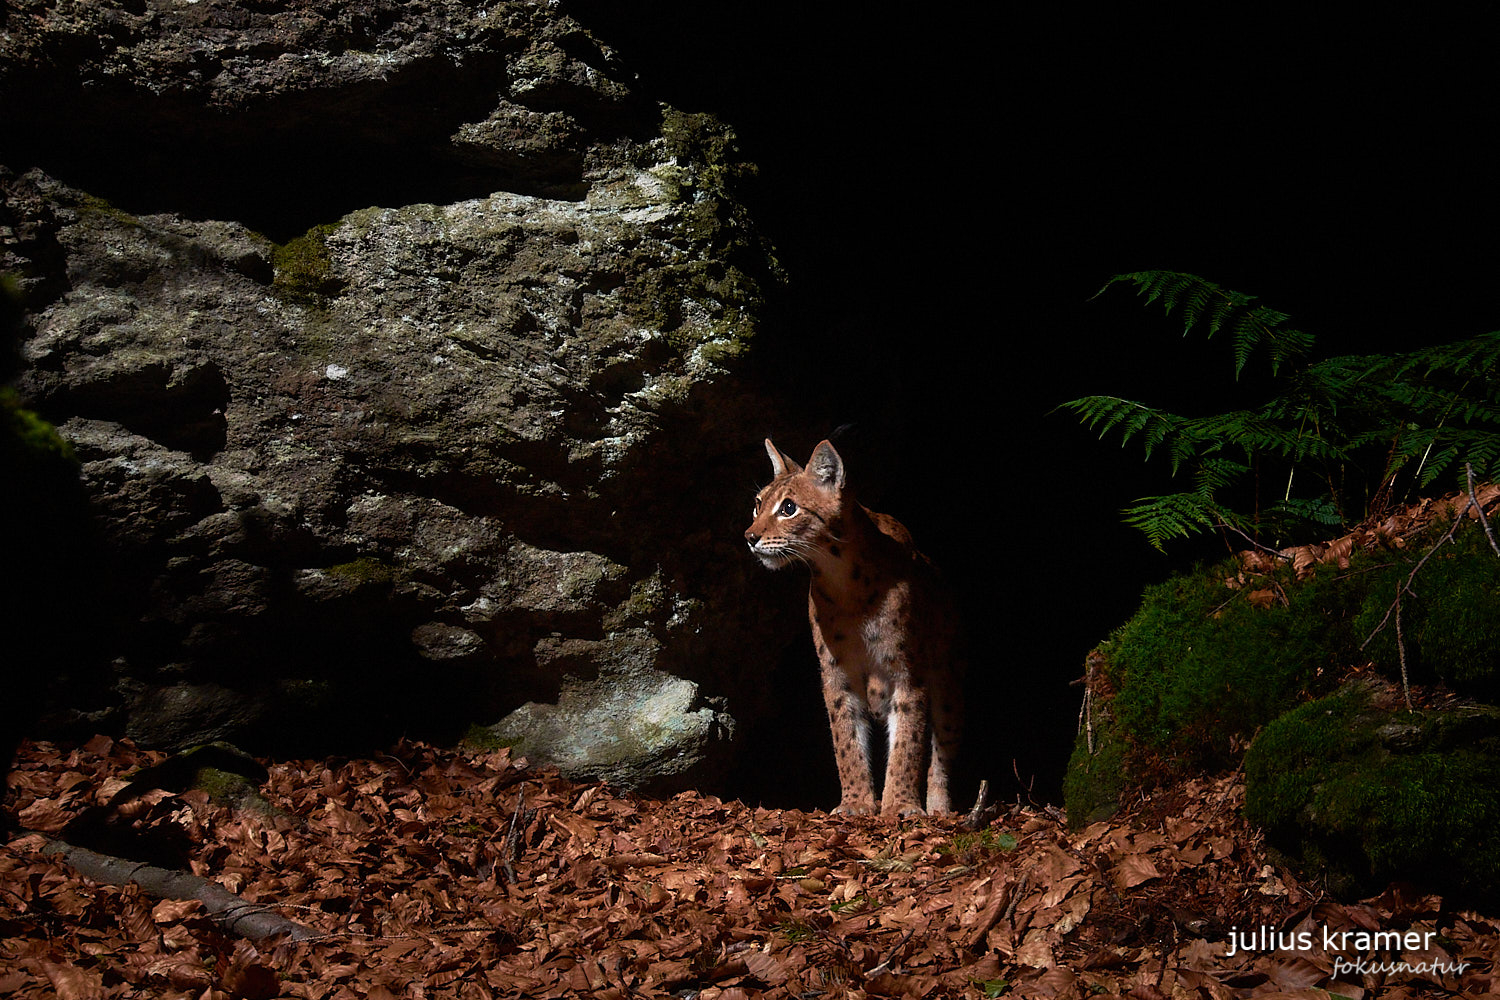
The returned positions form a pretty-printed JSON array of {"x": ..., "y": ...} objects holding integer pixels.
[
  {"x": 1352, "y": 423},
  {"x": 1251, "y": 326},
  {"x": 1176, "y": 515}
]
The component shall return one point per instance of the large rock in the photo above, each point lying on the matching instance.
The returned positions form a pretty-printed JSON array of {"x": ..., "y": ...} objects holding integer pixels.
[{"x": 424, "y": 462}]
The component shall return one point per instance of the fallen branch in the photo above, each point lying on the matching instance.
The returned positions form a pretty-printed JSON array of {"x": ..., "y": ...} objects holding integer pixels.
[{"x": 248, "y": 920}]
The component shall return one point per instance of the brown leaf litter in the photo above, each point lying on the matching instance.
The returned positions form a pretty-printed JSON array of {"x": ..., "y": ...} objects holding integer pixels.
[{"x": 435, "y": 873}]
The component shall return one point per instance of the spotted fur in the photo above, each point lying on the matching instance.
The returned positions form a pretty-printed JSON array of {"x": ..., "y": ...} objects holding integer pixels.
[{"x": 883, "y": 625}]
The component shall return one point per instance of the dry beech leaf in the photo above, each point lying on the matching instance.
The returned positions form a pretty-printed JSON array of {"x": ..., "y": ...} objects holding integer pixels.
[
  {"x": 73, "y": 983},
  {"x": 1133, "y": 869},
  {"x": 407, "y": 868}
]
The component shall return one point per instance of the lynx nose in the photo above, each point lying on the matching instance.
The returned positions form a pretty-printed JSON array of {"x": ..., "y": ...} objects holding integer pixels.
[{"x": 751, "y": 538}]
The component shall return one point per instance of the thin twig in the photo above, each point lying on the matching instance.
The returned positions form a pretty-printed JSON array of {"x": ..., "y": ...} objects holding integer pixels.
[
  {"x": 1405, "y": 588},
  {"x": 1401, "y": 651},
  {"x": 885, "y": 966},
  {"x": 1469, "y": 471},
  {"x": 1254, "y": 543},
  {"x": 1086, "y": 711},
  {"x": 512, "y": 851}
]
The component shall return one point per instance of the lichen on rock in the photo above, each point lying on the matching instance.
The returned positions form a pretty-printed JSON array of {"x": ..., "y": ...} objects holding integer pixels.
[{"x": 433, "y": 448}]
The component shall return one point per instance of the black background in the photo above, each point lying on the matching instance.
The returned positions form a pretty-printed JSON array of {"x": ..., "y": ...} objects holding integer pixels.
[{"x": 949, "y": 191}]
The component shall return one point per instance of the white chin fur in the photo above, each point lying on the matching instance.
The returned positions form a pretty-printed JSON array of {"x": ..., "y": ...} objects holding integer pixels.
[{"x": 773, "y": 561}]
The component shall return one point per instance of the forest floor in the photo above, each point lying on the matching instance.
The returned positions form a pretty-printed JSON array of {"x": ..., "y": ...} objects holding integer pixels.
[{"x": 437, "y": 873}]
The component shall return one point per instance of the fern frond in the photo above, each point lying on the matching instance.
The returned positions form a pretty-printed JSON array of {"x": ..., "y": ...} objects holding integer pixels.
[
  {"x": 1473, "y": 357},
  {"x": 1220, "y": 308},
  {"x": 1131, "y": 418},
  {"x": 1216, "y": 473},
  {"x": 1320, "y": 510},
  {"x": 1177, "y": 515},
  {"x": 1355, "y": 422}
]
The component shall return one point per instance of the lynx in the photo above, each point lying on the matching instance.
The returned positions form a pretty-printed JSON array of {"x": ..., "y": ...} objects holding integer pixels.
[{"x": 883, "y": 625}]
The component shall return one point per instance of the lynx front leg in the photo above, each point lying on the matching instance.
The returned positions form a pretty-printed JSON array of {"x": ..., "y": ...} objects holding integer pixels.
[
  {"x": 850, "y": 722},
  {"x": 908, "y": 750}
]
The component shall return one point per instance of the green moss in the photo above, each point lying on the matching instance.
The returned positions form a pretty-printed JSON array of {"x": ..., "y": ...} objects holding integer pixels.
[
  {"x": 1351, "y": 789},
  {"x": 31, "y": 440},
  {"x": 228, "y": 775},
  {"x": 304, "y": 267},
  {"x": 704, "y": 140},
  {"x": 1280, "y": 768},
  {"x": 1200, "y": 667},
  {"x": 366, "y": 569},
  {"x": 1345, "y": 784},
  {"x": 1094, "y": 781},
  {"x": 92, "y": 205},
  {"x": 728, "y": 288},
  {"x": 1450, "y": 623},
  {"x": 478, "y": 737},
  {"x": 225, "y": 787}
]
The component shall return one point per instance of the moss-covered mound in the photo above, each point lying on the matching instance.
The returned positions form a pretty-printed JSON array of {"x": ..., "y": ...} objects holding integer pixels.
[
  {"x": 1208, "y": 659},
  {"x": 1096, "y": 775},
  {"x": 1214, "y": 657},
  {"x": 1355, "y": 787},
  {"x": 1200, "y": 667},
  {"x": 1450, "y": 617}
]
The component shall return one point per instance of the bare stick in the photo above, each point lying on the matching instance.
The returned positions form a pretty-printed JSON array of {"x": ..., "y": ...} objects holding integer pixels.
[
  {"x": 249, "y": 920},
  {"x": 1474, "y": 501},
  {"x": 1254, "y": 543},
  {"x": 512, "y": 850},
  {"x": 1401, "y": 651},
  {"x": 885, "y": 966},
  {"x": 1086, "y": 711},
  {"x": 1406, "y": 587},
  {"x": 974, "y": 820}
]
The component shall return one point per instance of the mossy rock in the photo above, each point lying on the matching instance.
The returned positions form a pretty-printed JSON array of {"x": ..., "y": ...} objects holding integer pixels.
[
  {"x": 1450, "y": 623},
  {"x": 1357, "y": 789},
  {"x": 304, "y": 267},
  {"x": 1201, "y": 666},
  {"x": 1095, "y": 778}
]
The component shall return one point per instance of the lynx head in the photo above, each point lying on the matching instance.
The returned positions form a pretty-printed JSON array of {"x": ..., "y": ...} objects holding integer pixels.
[{"x": 798, "y": 517}]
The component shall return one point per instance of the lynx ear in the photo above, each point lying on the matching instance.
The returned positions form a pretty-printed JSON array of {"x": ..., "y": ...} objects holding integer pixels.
[
  {"x": 827, "y": 467},
  {"x": 780, "y": 464}
]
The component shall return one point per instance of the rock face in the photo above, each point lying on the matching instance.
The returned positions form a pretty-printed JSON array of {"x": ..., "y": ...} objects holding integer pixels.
[{"x": 428, "y": 460}]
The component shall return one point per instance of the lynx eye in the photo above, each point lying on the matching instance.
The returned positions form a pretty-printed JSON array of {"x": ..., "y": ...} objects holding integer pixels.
[
  {"x": 756, "y": 508},
  {"x": 788, "y": 507}
]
